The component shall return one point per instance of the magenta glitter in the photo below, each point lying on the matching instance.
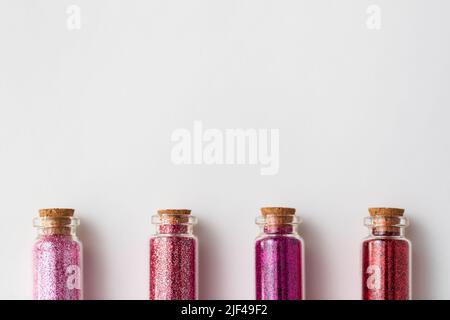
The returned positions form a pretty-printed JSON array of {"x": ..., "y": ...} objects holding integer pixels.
[
  {"x": 173, "y": 263},
  {"x": 278, "y": 265},
  {"x": 57, "y": 268}
]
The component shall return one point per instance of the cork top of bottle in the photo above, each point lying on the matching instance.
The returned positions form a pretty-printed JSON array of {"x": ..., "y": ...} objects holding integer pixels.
[
  {"x": 56, "y": 212},
  {"x": 277, "y": 216},
  {"x": 386, "y": 212},
  {"x": 277, "y": 211},
  {"x": 54, "y": 221},
  {"x": 174, "y": 216},
  {"x": 386, "y": 221},
  {"x": 174, "y": 211}
]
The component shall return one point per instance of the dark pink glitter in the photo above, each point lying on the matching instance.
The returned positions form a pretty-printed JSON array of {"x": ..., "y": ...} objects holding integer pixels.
[
  {"x": 278, "y": 265},
  {"x": 386, "y": 273},
  {"x": 57, "y": 268},
  {"x": 173, "y": 264}
]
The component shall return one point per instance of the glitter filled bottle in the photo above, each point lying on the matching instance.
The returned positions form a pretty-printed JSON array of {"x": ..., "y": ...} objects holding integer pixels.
[
  {"x": 57, "y": 256},
  {"x": 173, "y": 256},
  {"x": 386, "y": 256},
  {"x": 279, "y": 256}
]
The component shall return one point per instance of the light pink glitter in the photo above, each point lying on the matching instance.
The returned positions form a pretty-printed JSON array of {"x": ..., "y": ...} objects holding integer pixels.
[
  {"x": 57, "y": 268},
  {"x": 173, "y": 265}
]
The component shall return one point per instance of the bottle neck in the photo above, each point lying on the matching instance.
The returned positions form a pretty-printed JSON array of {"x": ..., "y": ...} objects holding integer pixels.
[
  {"x": 387, "y": 232},
  {"x": 278, "y": 224},
  {"x": 279, "y": 229},
  {"x": 174, "y": 229},
  {"x": 56, "y": 226},
  {"x": 53, "y": 235},
  {"x": 386, "y": 226},
  {"x": 174, "y": 224}
]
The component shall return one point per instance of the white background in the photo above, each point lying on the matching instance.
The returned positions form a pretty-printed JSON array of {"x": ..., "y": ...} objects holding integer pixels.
[{"x": 86, "y": 118}]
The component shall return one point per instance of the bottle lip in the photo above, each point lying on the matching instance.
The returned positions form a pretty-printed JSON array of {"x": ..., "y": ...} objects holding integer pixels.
[
  {"x": 270, "y": 220},
  {"x": 173, "y": 219},
  {"x": 56, "y": 222},
  {"x": 386, "y": 222}
]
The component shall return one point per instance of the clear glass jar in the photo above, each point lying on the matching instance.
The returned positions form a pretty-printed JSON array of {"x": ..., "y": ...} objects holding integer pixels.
[
  {"x": 173, "y": 256},
  {"x": 279, "y": 258},
  {"x": 386, "y": 256},
  {"x": 57, "y": 256}
]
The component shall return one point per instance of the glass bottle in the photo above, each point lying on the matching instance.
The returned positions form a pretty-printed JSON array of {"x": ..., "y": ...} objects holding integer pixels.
[
  {"x": 386, "y": 256},
  {"x": 173, "y": 256},
  {"x": 57, "y": 256},
  {"x": 279, "y": 256}
]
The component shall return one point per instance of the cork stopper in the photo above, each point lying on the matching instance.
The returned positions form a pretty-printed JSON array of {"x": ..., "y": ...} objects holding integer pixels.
[
  {"x": 174, "y": 216},
  {"x": 56, "y": 212},
  {"x": 278, "y": 215},
  {"x": 387, "y": 221},
  {"x": 277, "y": 211},
  {"x": 386, "y": 212},
  {"x": 174, "y": 211},
  {"x": 56, "y": 220}
]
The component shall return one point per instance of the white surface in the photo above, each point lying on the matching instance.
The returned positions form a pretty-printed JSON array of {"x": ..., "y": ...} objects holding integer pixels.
[{"x": 86, "y": 118}]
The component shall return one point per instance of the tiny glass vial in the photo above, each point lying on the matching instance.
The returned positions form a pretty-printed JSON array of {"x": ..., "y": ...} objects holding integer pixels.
[
  {"x": 173, "y": 256},
  {"x": 57, "y": 256},
  {"x": 279, "y": 256},
  {"x": 386, "y": 256}
]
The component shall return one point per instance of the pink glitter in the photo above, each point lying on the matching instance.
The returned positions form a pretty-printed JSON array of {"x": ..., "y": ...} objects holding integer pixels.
[
  {"x": 278, "y": 265},
  {"x": 173, "y": 264},
  {"x": 388, "y": 262},
  {"x": 57, "y": 268}
]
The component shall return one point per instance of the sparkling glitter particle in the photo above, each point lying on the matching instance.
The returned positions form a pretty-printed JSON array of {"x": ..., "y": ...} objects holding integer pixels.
[
  {"x": 278, "y": 266},
  {"x": 56, "y": 258}
]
